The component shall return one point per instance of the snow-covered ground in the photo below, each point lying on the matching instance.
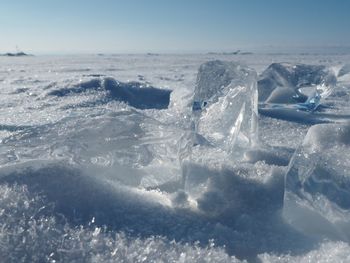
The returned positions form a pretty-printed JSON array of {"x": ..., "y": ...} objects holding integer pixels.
[{"x": 161, "y": 158}]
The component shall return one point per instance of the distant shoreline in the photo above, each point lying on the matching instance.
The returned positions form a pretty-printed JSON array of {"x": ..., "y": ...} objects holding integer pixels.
[{"x": 17, "y": 54}]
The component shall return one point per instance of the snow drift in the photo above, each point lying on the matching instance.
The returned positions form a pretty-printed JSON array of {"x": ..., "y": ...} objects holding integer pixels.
[{"x": 135, "y": 94}]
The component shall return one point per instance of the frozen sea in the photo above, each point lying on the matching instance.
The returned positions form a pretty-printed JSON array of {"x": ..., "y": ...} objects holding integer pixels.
[{"x": 106, "y": 158}]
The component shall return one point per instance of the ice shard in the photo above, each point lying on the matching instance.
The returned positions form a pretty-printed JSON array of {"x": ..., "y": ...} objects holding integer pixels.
[
  {"x": 317, "y": 193},
  {"x": 225, "y": 104},
  {"x": 296, "y": 83},
  {"x": 225, "y": 126}
]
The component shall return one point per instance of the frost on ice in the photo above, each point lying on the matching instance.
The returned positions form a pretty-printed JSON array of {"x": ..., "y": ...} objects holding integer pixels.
[{"x": 317, "y": 194}]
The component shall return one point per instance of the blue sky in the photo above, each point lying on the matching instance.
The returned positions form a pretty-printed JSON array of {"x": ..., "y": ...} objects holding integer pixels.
[{"x": 69, "y": 26}]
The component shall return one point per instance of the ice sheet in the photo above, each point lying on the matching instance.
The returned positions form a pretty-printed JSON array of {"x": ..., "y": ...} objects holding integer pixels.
[{"x": 88, "y": 177}]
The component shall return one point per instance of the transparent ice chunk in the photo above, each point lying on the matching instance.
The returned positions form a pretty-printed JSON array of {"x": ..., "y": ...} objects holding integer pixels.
[
  {"x": 224, "y": 127},
  {"x": 124, "y": 146},
  {"x": 296, "y": 83},
  {"x": 317, "y": 194},
  {"x": 225, "y": 104}
]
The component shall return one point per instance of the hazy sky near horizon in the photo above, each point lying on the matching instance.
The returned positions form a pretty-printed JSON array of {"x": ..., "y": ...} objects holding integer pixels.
[{"x": 68, "y": 26}]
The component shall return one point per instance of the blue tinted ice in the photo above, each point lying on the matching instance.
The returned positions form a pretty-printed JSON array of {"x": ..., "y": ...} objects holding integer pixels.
[{"x": 306, "y": 85}]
